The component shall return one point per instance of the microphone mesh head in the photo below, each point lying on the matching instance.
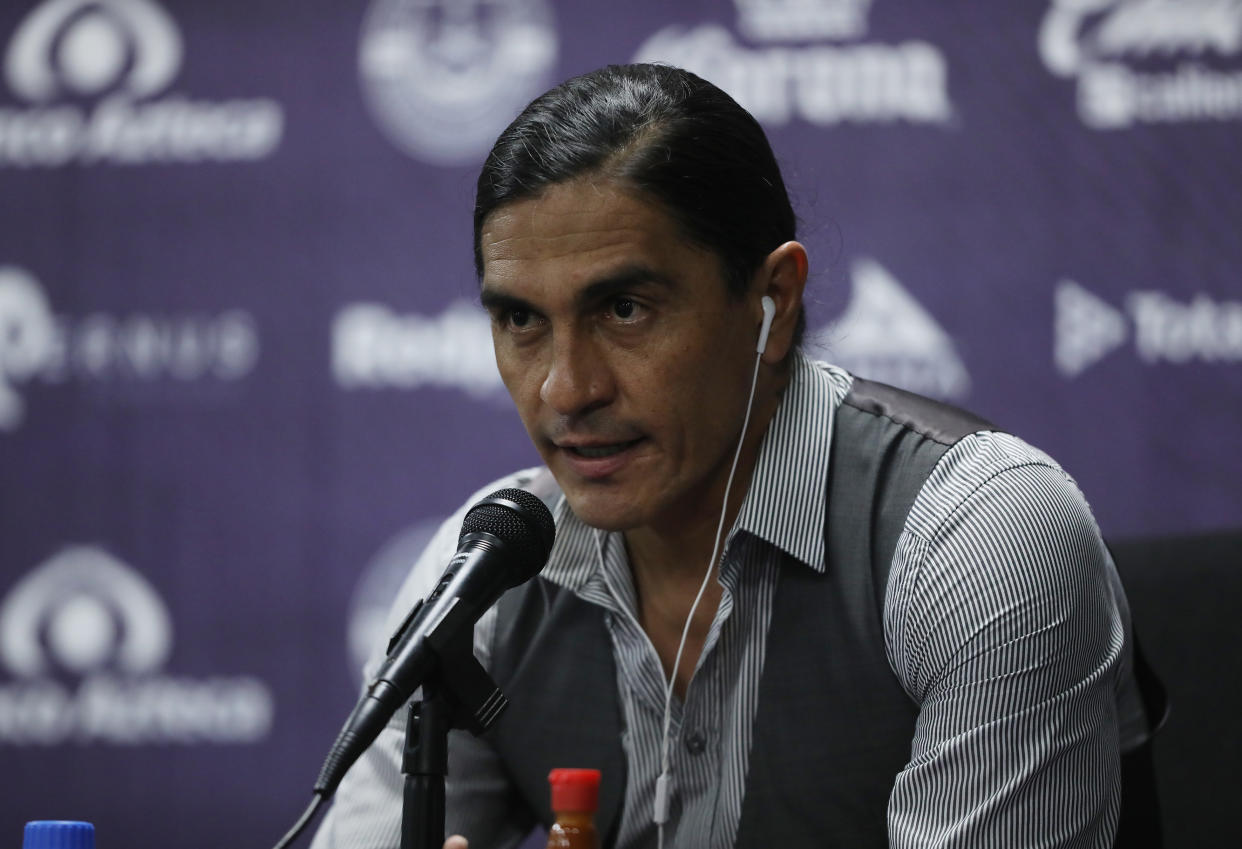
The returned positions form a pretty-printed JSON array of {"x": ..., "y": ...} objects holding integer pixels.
[{"x": 521, "y": 521}]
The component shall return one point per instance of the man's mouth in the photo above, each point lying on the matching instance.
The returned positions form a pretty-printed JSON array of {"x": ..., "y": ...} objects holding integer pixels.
[{"x": 595, "y": 452}]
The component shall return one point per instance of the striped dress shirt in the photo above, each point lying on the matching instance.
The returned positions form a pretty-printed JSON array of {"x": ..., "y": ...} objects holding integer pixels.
[{"x": 1000, "y": 563}]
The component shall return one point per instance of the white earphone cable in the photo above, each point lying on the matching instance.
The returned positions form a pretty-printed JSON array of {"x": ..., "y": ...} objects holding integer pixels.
[{"x": 662, "y": 786}]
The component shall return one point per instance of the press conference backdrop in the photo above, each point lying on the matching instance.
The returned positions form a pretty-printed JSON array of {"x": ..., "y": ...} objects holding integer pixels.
[{"x": 244, "y": 374}]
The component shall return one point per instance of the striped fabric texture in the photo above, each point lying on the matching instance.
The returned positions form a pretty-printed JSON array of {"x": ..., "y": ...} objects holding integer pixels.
[{"x": 1004, "y": 620}]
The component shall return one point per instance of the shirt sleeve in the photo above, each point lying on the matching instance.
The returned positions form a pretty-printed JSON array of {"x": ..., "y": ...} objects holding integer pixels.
[
  {"x": 366, "y": 808},
  {"x": 1005, "y": 622}
]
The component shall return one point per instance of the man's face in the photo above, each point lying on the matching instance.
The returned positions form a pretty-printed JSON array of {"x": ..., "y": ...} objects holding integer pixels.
[{"x": 628, "y": 359}]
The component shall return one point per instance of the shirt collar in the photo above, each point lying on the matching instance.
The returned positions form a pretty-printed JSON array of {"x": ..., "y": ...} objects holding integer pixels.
[
  {"x": 788, "y": 493},
  {"x": 787, "y": 499}
]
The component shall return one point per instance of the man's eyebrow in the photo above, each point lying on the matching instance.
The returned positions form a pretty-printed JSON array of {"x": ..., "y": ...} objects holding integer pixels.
[
  {"x": 622, "y": 280},
  {"x": 494, "y": 301}
]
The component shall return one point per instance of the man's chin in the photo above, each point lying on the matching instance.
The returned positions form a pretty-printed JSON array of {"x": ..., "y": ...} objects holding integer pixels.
[{"x": 603, "y": 510}]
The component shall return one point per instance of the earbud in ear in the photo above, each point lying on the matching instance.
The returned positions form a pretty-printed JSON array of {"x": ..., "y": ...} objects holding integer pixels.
[{"x": 769, "y": 310}]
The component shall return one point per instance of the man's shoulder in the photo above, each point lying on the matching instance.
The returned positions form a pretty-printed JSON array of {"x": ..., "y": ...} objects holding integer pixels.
[
  {"x": 536, "y": 480},
  {"x": 993, "y": 473},
  {"x": 865, "y": 399},
  {"x": 977, "y": 455},
  {"x": 935, "y": 420}
]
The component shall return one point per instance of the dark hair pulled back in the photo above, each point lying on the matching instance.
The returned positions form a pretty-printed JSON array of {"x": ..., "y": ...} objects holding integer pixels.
[{"x": 668, "y": 133}]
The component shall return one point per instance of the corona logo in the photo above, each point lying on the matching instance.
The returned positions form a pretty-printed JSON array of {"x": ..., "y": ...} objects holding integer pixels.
[{"x": 808, "y": 62}]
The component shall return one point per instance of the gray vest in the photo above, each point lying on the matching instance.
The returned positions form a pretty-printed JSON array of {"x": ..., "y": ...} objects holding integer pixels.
[{"x": 833, "y": 726}]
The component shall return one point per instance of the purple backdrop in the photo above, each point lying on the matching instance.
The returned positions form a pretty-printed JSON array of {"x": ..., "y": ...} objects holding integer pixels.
[{"x": 243, "y": 369}]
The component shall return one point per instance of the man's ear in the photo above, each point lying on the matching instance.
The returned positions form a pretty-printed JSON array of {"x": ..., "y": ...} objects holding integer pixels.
[{"x": 782, "y": 277}]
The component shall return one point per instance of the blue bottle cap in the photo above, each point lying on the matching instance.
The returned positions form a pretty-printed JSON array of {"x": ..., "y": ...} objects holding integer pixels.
[{"x": 59, "y": 834}]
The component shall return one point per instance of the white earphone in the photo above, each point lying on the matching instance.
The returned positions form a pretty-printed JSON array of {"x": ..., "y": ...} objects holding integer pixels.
[
  {"x": 663, "y": 787},
  {"x": 769, "y": 311}
]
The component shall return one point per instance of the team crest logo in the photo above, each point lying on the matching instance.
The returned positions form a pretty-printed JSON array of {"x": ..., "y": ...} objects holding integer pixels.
[{"x": 444, "y": 77}]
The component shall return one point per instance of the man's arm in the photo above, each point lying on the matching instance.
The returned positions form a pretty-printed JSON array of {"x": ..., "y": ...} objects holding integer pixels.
[{"x": 1004, "y": 621}]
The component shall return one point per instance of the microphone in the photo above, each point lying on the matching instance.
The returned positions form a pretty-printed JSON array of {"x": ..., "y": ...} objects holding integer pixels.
[{"x": 505, "y": 541}]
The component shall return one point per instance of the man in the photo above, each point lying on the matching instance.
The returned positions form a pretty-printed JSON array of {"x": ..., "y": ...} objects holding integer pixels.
[{"x": 883, "y": 622}]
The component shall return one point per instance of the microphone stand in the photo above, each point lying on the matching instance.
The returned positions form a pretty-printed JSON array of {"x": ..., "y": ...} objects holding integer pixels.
[{"x": 457, "y": 694}]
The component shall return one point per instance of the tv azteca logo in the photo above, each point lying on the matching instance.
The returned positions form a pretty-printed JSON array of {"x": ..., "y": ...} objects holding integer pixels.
[
  {"x": 85, "y": 615},
  {"x": 90, "y": 68}
]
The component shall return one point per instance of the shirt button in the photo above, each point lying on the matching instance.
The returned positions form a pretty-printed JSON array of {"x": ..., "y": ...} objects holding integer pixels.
[{"x": 696, "y": 743}]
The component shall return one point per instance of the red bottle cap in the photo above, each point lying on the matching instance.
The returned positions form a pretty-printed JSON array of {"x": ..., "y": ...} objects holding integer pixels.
[{"x": 575, "y": 789}]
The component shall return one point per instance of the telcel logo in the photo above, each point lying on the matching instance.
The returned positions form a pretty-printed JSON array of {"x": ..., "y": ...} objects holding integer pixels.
[
  {"x": 88, "y": 67},
  {"x": 1147, "y": 61},
  {"x": 85, "y": 615}
]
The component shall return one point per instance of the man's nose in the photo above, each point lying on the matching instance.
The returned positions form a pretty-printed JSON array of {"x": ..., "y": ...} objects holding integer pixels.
[{"x": 578, "y": 378}]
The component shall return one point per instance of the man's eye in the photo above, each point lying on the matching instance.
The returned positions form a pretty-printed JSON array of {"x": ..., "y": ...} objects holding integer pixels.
[
  {"x": 624, "y": 308},
  {"x": 517, "y": 320}
]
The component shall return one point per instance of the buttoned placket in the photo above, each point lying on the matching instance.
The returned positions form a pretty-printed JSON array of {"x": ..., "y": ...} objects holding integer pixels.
[{"x": 694, "y": 727}]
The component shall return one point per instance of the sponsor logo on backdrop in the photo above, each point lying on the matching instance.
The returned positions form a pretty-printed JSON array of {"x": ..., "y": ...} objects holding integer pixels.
[
  {"x": 94, "y": 75},
  {"x": 138, "y": 348},
  {"x": 1147, "y": 61},
  {"x": 443, "y": 77},
  {"x": 374, "y": 347},
  {"x": 886, "y": 335},
  {"x": 811, "y": 60},
  {"x": 1163, "y": 329},
  {"x": 85, "y": 639},
  {"x": 383, "y": 577}
]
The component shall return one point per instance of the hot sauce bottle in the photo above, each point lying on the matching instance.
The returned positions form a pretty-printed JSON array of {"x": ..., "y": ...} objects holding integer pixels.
[{"x": 575, "y": 798}]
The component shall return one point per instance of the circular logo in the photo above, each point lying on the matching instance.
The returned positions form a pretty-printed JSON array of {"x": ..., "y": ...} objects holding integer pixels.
[
  {"x": 89, "y": 47},
  {"x": 373, "y": 597},
  {"x": 80, "y": 611},
  {"x": 443, "y": 77}
]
